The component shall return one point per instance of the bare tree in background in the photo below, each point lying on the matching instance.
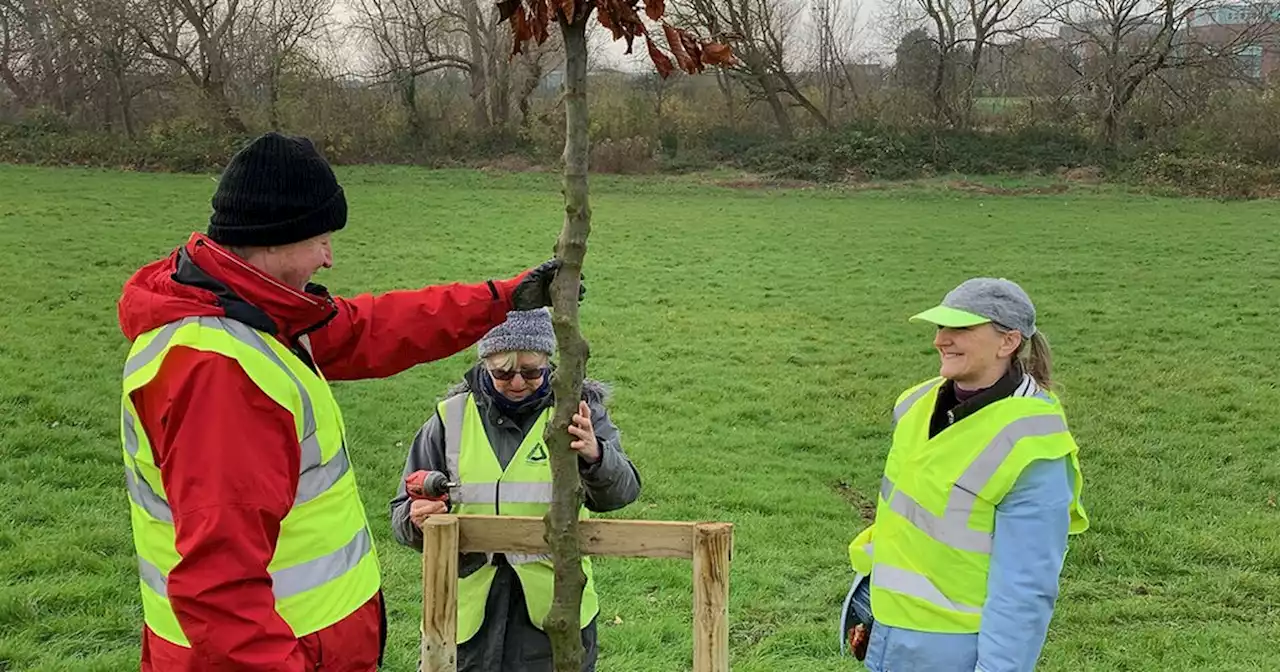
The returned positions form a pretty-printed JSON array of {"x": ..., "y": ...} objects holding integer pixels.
[
  {"x": 409, "y": 38},
  {"x": 414, "y": 37},
  {"x": 14, "y": 47},
  {"x": 1122, "y": 44},
  {"x": 197, "y": 38},
  {"x": 961, "y": 31},
  {"x": 39, "y": 60},
  {"x": 280, "y": 28},
  {"x": 761, "y": 30},
  {"x": 835, "y": 32}
]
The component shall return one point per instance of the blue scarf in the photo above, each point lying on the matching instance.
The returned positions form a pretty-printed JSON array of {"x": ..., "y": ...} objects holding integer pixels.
[{"x": 515, "y": 409}]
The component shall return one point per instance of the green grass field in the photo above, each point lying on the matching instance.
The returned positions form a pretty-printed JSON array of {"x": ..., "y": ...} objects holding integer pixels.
[{"x": 756, "y": 340}]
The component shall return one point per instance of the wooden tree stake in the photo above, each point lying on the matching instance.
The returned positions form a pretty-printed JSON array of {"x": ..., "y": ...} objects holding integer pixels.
[
  {"x": 440, "y": 594},
  {"x": 712, "y": 547}
]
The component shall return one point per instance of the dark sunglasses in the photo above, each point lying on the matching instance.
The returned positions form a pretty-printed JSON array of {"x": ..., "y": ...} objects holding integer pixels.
[{"x": 529, "y": 375}]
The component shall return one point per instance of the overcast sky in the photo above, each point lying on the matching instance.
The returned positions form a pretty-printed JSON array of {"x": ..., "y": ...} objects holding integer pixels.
[{"x": 612, "y": 54}]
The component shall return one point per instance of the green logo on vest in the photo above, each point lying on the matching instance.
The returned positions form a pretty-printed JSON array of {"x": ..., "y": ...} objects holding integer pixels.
[{"x": 538, "y": 454}]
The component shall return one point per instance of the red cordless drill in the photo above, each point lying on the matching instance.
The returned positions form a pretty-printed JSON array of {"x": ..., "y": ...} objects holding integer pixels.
[{"x": 432, "y": 485}]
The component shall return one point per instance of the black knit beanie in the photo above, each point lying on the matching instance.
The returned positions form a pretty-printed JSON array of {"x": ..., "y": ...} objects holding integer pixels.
[{"x": 277, "y": 190}]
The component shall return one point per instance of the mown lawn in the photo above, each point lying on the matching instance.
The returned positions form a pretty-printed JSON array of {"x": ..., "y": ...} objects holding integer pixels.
[{"x": 756, "y": 340}]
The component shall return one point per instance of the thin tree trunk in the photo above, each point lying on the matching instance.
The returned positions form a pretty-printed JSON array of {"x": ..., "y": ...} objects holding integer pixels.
[
  {"x": 477, "y": 72},
  {"x": 772, "y": 96},
  {"x": 726, "y": 88},
  {"x": 126, "y": 105},
  {"x": 790, "y": 87},
  {"x": 532, "y": 75},
  {"x": 407, "y": 85},
  {"x": 563, "y": 624},
  {"x": 216, "y": 93},
  {"x": 273, "y": 103},
  {"x": 500, "y": 93},
  {"x": 941, "y": 113}
]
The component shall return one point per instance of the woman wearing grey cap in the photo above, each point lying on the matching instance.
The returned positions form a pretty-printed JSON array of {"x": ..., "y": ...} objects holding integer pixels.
[
  {"x": 981, "y": 490},
  {"x": 487, "y": 436}
]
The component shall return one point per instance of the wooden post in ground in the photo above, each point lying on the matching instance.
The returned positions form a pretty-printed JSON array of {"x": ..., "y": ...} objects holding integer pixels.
[
  {"x": 712, "y": 546},
  {"x": 440, "y": 594}
]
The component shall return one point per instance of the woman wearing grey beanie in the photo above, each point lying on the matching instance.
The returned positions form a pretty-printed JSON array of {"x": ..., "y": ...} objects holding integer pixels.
[
  {"x": 981, "y": 489},
  {"x": 487, "y": 436}
]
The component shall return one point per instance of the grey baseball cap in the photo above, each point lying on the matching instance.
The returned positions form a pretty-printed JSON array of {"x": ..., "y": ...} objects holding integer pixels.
[{"x": 982, "y": 300}]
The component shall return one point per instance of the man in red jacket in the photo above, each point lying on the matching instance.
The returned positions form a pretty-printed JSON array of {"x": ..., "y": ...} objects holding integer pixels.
[{"x": 227, "y": 454}]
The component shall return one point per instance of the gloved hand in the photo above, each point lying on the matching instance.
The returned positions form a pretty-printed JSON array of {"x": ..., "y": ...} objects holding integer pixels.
[{"x": 534, "y": 290}]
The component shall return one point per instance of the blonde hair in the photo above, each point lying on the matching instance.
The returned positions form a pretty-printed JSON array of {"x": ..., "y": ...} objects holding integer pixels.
[
  {"x": 1033, "y": 356},
  {"x": 510, "y": 359},
  {"x": 1037, "y": 359}
]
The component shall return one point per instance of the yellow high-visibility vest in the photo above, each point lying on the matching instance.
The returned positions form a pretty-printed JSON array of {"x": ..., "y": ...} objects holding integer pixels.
[
  {"x": 929, "y": 551},
  {"x": 325, "y": 565},
  {"x": 522, "y": 489}
]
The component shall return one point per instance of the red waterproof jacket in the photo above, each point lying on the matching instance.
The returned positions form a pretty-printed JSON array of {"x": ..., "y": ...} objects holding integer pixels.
[{"x": 229, "y": 456}]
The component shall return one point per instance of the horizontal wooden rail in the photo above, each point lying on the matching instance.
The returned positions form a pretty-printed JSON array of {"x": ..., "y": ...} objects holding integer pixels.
[{"x": 620, "y": 538}]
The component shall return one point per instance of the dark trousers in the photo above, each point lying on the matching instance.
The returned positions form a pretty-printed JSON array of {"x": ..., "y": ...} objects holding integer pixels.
[{"x": 507, "y": 640}]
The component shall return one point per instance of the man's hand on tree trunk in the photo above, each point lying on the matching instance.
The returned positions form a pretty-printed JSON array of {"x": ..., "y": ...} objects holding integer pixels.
[{"x": 534, "y": 291}]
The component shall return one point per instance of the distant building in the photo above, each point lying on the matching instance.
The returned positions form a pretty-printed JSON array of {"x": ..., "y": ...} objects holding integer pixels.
[{"x": 1251, "y": 33}]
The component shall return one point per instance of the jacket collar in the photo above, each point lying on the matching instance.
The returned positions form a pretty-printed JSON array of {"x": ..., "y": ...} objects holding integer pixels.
[
  {"x": 249, "y": 295},
  {"x": 947, "y": 411},
  {"x": 1004, "y": 387}
]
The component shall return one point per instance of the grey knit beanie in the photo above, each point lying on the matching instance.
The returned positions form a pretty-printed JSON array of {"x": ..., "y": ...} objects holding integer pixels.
[{"x": 524, "y": 330}]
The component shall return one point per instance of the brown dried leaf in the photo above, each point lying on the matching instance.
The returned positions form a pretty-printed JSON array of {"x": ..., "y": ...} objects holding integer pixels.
[
  {"x": 676, "y": 42},
  {"x": 716, "y": 53},
  {"x": 654, "y": 9},
  {"x": 605, "y": 16},
  {"x": 692, "y": 46},
  {"x": 660, "y": 60},
  {"x": 541, "y": 21},
  {"x": 625, "y": 16},
  {"x": 521, "y": 28}
]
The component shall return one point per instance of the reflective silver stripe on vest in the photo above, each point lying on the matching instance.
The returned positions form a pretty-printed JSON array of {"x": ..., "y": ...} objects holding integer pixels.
[
  {"x": 455, "y": 409},
  {"x": 157, "y": 344},
  {"x": 915, "y": 585},
  {"x": 291, "y": 581},
  {"x": 515, "y": 492},
  {"x": 984, "y": 468},
  {"x": 906, "y": 404},
  {"x": 130, "y": 435},
  {"x": 952, "y": 528},
  {"x": 319, "y": 478},
  {"x": 523, "y": 559},
  {"x": 886, "y": 488},
  {"x": 315, "y": 573},
  {"x": 153, "y": 577},
  {"x": 535, "y": 492},
  {"x": 476, "y": 493},
  {"x": 140, "y": 491}
]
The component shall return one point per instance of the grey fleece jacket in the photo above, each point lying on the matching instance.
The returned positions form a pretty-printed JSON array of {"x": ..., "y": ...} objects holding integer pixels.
[{"x": 609, "y": 484}]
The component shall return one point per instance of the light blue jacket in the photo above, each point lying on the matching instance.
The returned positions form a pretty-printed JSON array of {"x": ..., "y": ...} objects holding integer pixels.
[{"x": 1028, "y": 550}]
